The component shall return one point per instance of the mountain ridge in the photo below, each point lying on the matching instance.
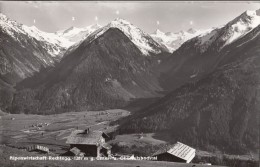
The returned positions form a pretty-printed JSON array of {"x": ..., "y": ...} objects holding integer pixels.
[
  {"x": 201, "y": 54},
  {"x": 125, "y": 77}
]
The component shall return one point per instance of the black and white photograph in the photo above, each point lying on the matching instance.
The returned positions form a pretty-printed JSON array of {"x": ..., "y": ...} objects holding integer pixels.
[{"x": 129, "y": 83}]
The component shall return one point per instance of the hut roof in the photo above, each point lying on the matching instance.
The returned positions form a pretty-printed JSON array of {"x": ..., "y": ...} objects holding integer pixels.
[
  {"x": 179, "y": 150},
  {"x": 83, "y": 137}
]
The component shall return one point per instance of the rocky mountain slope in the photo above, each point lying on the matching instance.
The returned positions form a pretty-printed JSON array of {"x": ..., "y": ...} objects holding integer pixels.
[
  {"x": 24, "y": 50},
  {"x": 219, "y": 110}
]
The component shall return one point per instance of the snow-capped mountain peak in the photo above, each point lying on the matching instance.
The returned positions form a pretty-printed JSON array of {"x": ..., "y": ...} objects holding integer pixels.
[
  {"x": 159, "y": 32},
  {"x": 232, "y": 31},
  {"x": 72, "y": 30},
  {"x": 75, "y": 35},
  {"x": 242, "y": 25},
  {"x": 94, "y": 26},
  {"x": 250, "y": 18},
  {"x": 174, "y": 40},
  {"x": 252, "y": 13},
  {"x": 120, "y": 21},
  {"x": 141, "y": 39},
  {"x": 54, "y": 44},
  {"x": 26, "y": 49},
  {"x": 44, "y": 36},
  {"x": 3, "y": 17},
  {"x": 191, "y": 31}
]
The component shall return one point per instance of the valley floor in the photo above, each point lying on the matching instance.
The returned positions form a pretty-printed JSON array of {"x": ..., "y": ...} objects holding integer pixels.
[{"x": 21, "y": 130}]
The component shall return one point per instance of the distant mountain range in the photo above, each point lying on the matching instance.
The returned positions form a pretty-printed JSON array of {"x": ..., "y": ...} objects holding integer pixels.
[
  {"x": 75, "y": 35},
  {"x": 174, "y": 40}
]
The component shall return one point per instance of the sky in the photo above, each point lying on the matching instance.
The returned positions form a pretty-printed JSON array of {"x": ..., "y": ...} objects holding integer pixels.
[{"x": 168, "y": 16}]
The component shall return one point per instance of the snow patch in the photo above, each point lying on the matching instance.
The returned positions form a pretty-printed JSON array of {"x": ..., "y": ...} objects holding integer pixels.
[
  {"x": 134, "y": 83},
  {"x": 196, "y": 72}
]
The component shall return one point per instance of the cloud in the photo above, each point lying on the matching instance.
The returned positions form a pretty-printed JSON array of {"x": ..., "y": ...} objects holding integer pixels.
[
  {"x": 73, "y": 18},
  {"x": 96, "y": 18},
  {"x": 191, "y": 22},
  {"x": 157, "y": 22},
  {"x": 117, "y": 12}
]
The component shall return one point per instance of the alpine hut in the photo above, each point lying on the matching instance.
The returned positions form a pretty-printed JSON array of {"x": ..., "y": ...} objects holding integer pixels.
[
  {"x": 178, "y": 152},
  {"x": 89, "y": 143}
]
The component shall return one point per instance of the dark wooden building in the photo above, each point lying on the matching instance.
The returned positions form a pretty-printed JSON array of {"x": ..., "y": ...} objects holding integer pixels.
[
  {"x": 178, "y": 152},
  {"x": 88, "y": 143}
]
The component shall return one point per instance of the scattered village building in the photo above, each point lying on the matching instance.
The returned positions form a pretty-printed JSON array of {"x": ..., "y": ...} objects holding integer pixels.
[
  {"x": 38, "y": 148},
  {"x": 178, "y": 152},
  {"x": 88, "y": 143}
]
